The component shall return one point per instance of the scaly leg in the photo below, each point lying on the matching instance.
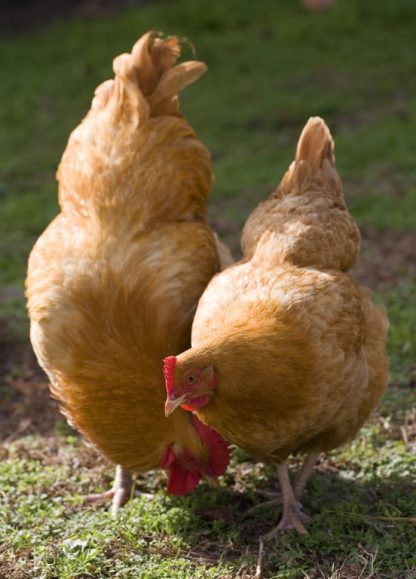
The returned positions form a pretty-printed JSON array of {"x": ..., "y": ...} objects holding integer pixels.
[
  {"x": 292, "y": 517},
  {"x": 120, "y": 493},
  {"x": 305, "y": 472},
  {"x": 298, "y": 488}
]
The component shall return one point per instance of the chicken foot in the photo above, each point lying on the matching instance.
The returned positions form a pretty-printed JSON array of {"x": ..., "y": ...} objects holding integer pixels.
[
  {"x": 298, "y": 487},
  {"x": 292, "y": 517},
  {"x": 120, "y": 493}
]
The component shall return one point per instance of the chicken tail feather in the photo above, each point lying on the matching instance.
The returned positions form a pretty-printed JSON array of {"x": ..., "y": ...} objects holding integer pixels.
[
  {"x": 316, "y": 144},
  {"x": 147, "y": 81},
  {"x": 314, "y": 163},
  {"x": 134, "y": 134},
  {"x": 306, "y": 222}
]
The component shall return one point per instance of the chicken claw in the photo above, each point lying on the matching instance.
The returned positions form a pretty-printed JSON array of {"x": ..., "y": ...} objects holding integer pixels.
[
  {"x": 292, "y": 518},
  {"x": 298, "y": 489},
  {"x": 120, "y": 493}
]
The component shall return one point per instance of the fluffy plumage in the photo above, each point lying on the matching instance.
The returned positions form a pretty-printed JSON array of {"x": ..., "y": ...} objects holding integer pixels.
[
  {"x": 114, "y": 280},
  {"x": 297, "y": 346}
]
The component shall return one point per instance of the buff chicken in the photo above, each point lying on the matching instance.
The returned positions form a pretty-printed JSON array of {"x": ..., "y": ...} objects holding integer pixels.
[
  {"x": 288, "y": 351},
  {"x": 114, "y": 281}
]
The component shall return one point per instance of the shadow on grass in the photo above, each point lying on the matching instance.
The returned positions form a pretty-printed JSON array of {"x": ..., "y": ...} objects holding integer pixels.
[
  {"x": 362, "y": 501},
  {"x": 355, "y": 524},
  {"x": 361, "y": 515}
]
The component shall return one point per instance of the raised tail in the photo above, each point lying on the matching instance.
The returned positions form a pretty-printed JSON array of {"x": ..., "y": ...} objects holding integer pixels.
[
  {"x": 315, "y": 144},
  {"x": 148, "y": 78},
  {"x": 134, "y": 138},
  {"x": 306, "y": 221},
  {"x": 314, "y": 161}
]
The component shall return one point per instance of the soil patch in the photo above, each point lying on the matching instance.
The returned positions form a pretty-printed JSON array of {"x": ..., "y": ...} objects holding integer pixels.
[
  {"x": 388, "y": 258},
  {"x": 26, "y": 406}
]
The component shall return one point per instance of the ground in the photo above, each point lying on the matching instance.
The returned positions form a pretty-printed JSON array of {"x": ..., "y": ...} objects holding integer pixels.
[{"x": 271, "y": 66}]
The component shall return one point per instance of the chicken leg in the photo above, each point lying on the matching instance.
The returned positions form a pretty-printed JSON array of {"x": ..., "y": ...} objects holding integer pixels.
[
  {"x": 292, "y": 517},
  {"x": 120, "y": 493},
  {"x": 299, "y": 486},
  {"x": 304, "y": 474}
]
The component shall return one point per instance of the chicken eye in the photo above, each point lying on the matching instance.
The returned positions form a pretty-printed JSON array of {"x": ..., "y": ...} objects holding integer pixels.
[{"x": 191, "y": 379}]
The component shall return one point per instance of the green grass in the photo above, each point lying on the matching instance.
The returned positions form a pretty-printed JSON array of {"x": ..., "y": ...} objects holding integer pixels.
[{"x": 271, "y": 66}]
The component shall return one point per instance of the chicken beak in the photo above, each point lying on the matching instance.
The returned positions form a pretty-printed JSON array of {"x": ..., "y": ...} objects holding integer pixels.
[{"x": 172, "y": 404}]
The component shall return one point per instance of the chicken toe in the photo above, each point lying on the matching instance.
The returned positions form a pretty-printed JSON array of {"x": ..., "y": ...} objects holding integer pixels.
[
  {"x": 120, "y": 493},
  {"x": 292, "y": 517}
]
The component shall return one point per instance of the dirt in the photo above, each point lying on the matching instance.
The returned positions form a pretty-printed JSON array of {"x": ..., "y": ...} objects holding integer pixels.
[
  {"x": 388, "y": 258},
  {"x": 26, "y": 405}
]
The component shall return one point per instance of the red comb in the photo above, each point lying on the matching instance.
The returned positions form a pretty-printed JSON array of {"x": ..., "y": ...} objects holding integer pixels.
[{"x": 169, "y": 373}]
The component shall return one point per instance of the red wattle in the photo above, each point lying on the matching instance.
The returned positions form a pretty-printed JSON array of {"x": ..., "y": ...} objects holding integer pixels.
[
  {"x": 168, "y": 458},
  {"x": 181, "y": 480},
  {"x": 195, "y": 403},
  {"x": 219, "y": 452}
]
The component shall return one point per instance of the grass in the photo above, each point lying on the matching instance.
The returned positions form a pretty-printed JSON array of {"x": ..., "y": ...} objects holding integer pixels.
[{"x": 271, "y": 66}]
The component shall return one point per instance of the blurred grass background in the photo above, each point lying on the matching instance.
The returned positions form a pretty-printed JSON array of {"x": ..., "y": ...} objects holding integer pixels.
[{"x": 271, "y": 64}]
